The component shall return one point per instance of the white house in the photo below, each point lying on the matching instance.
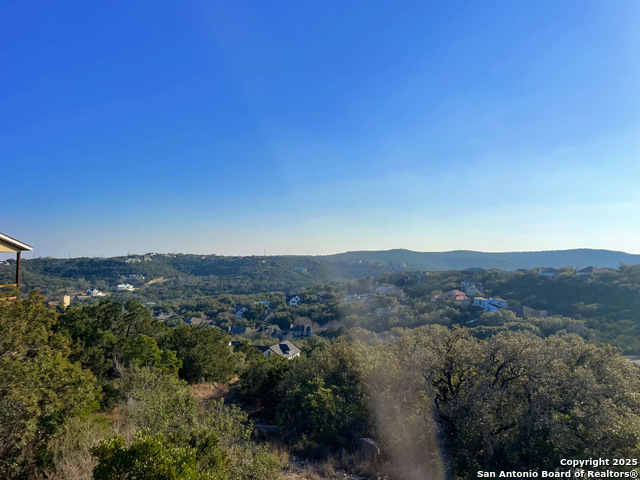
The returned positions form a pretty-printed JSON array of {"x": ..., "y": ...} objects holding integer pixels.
[
  {"x": 294, "y": 301},
  {"x": 125, "y": 287},
  {"x": 94, "y": 292},
  {"x": 240, "y": 313},
  {"x": 490, "y": 304}
]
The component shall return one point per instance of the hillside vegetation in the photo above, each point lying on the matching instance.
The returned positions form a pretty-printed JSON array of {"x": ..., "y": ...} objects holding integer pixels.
[{"x": 105, "y": 387}]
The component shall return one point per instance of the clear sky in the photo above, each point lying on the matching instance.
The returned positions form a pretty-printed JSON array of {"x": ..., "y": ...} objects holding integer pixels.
[{"x": 312, "y": 127}]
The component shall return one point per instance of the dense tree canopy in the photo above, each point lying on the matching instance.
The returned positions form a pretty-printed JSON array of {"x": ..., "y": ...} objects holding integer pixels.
[{"x": 40, "y": 387}]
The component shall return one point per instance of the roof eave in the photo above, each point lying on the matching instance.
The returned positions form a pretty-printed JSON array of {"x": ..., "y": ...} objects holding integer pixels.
[{"x": 13, "y": 243}]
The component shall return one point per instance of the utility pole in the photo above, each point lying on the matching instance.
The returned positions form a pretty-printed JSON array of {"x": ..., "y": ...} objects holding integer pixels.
[{"x": 18, "y": 272}]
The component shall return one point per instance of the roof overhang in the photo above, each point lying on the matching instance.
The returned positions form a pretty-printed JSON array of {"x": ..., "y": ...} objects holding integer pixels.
[{"x": 9, "y": 244}]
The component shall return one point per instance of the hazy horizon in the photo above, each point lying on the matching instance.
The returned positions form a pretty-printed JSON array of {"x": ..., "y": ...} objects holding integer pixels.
[{"x": 34, "y": 254}]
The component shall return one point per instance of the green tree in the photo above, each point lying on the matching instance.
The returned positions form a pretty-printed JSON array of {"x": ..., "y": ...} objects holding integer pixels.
[
  {"x": 322, "y": 399},
  {"x": 519, "y": 401},
  {"x": 39, "y": 386},
  {"x": 262, "y": 383},
  {"x": 158, "y": 402},
  {"x": 205, "y": 354},
  {"x": 150, "y": 457},
  {"x": 143, "y": 351}
]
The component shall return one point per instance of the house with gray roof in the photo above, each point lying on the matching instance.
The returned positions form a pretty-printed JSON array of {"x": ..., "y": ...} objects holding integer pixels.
[
  {"x": 285, "y": 349},
  {"x": 271, "y": 330},
  {"x": 596, "y": 271}
]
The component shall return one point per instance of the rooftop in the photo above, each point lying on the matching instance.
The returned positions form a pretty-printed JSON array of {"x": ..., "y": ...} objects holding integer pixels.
[{"x": 10, "y": 244}]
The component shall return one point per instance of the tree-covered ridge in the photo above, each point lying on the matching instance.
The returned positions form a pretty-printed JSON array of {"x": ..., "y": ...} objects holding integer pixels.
[
  {"x": 216, "y": 274},
  {"x": 462, "y": 259},
  {"x": 209, "y": 274}
]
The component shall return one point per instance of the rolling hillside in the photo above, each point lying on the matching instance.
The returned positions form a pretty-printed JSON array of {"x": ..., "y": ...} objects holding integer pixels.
[{"x": 461, "y": 259}]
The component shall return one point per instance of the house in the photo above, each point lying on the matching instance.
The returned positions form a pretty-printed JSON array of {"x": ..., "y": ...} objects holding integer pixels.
[
  {"x": 241, "y": 311},
  {"x": 271, "y": 330},
  {"x": 300, "y": 331},
  {"x": 266, "y": 303},
  {"x": 10, "y": 244},
  {"x": 125, "y": 287},
  {"x": 94, "y": 292},
  {"x": 364, "y": 298},
  {"x": 548, "y": 271},
  {"x": 241, "y": 330},
  {"x": 196, "y": 321},
  {"x": 456, "y": 295},
  {"x": 596, "y": 271},
  {"x": 294, "y": 301},
  {"x": 285, "y": 349},
  {"x": 471, "y": 286},
  {"x": 385, "y": 288},
  {"x": 490, "y": 304},
  {"x": 473, "y": 290},
  {"x": 65, "y": 301},
  {"x": 132, "y": 260}
]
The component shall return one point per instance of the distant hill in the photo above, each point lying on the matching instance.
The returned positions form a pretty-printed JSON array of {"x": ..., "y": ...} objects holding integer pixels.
[
  {"x": 215, "y": 274},
  {"x": 462, "y": 259}
]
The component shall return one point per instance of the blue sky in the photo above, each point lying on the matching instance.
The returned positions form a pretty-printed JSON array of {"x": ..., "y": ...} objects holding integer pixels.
[{"x": 309, "y": 127}]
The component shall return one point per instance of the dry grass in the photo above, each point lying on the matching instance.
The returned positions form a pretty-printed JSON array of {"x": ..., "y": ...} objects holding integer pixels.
[
  {"x": 156, "y": 280},
  {"x": 71, "y": 448},
  {"x": 344, "y": 467},
  {"x": 300, "y": 476},
  {"x": 205, "y": 392}
]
